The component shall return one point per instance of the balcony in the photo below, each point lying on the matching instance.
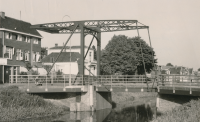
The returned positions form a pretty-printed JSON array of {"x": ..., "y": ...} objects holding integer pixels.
[{"x": 3, "y": 61}]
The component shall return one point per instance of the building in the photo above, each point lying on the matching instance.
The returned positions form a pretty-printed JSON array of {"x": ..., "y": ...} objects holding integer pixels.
[
  {"x": 63, "y": 63},
  {"x": 19, "y": 44}
]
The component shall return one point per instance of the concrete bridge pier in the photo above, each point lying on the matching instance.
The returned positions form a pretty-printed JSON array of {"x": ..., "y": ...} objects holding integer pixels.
[
  {"x": 91, "y": 100},
  {"x": 166, "y": 102}
]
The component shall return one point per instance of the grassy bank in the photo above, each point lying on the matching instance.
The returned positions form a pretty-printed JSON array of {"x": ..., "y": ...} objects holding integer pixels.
[
  {"x": 189, "y": 112},
  {"x": 128, "y": 99},
  {"x": 16, "y": 104}
]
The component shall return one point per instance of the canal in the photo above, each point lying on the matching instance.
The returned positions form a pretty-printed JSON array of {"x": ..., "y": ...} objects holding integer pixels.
[{"x": 139, "y": 113}]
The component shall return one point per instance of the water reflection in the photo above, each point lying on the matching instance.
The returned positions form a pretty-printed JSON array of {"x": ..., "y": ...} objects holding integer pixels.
[{"x": 141, "y": 113}]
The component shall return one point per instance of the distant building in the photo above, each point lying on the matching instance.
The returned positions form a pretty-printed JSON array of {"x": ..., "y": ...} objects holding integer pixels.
[
  {"x": 19, "y": 44},
  {"x": 63, "y": 63}
]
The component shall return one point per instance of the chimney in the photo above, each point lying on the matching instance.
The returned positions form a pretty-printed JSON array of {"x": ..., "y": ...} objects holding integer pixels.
[
  {"x": 2, "y": 14},
  {"x": 56, "y": 44}
]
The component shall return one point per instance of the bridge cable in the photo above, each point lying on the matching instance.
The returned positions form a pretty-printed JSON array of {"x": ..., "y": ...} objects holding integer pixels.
[
  {"x": 142, "y": 56},
  {"x": 152, "y": 57}
]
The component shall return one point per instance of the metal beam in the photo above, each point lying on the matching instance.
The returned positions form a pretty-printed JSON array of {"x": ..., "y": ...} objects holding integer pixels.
[
  {"x": 98, "y": 52},
  {"x": 82, "y": 50}
]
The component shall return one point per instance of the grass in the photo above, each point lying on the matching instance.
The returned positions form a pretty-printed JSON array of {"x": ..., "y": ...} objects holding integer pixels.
[
  {"x": 188, "y": 112},
  {"x": 16, "y": 104}
]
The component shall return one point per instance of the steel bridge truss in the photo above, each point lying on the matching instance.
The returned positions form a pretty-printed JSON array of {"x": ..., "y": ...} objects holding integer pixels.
[{"x": 92, "y": 27}]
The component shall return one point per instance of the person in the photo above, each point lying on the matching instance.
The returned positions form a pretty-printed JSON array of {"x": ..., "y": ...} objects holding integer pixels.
[{"x": 37, "y": 82}]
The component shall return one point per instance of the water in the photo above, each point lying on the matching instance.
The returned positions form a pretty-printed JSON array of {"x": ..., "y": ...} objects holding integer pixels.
[{"x": 141, "y": 113}]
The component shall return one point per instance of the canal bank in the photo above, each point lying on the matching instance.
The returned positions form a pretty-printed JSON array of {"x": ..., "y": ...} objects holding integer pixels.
[{"x": 33, "y": 106}]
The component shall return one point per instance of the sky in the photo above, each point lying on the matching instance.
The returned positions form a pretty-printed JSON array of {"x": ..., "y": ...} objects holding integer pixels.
[{"x": 174, "y": 24}]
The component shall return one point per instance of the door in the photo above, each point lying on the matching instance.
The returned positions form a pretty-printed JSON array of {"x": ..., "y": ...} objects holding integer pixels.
[{"x": 7, "y": 72}]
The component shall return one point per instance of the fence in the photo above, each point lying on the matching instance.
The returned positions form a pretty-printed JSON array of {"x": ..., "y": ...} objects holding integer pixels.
[{"x": 179, "y": 80}]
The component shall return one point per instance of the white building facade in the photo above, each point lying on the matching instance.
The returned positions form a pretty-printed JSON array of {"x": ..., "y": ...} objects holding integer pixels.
[{"x": 71, "y": 65}]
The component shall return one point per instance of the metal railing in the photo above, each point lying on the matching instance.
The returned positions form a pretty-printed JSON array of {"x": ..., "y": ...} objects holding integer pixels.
[
  {"x": 80, "y": 80},
  {"x": 179, "y": 80}
]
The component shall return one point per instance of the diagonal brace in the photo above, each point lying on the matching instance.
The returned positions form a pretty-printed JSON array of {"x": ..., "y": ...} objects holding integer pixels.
[{"x": 63, "y": 48}]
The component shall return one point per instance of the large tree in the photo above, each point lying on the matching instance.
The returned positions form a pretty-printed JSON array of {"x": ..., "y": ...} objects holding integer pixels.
[{"x": 123, "y": 55}]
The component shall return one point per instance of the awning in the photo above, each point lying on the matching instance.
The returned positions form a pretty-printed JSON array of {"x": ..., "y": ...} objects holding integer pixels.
[
  {"x": 41, "y": 71},
  {"x": 23, "y": 69}
]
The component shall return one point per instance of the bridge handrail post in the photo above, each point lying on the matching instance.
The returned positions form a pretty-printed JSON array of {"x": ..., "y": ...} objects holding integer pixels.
[
  {"x": 126, "y": 81},
  {"x": 64, "y": 81},
  {"x": 46, "y": 81},
  {"x": 28, "y": 82},
  {"x": 82, "y": 80},
  {"x": 111, "y": 81}
]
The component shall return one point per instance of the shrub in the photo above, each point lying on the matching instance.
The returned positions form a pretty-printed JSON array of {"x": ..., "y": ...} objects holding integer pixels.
[{"x": 15, "y": 104}]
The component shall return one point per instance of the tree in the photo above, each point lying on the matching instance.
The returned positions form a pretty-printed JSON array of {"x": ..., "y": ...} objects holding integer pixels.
[
  {"x": 169, "y": 64},
  {"x": 28, "y": 66},
  {"x": 43, "y": 52},
  {"x": 199, "y": 69},
  {"x": 123, "y": 55}
]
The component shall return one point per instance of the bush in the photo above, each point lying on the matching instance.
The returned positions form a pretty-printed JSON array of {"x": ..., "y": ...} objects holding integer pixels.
[
  {"x": 15, "y": 104},
  {"x": 188, "y": 112}
]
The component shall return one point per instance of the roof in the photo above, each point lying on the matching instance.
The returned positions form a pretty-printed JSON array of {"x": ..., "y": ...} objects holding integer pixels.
[
  {"x": 67, "y": 47},
  {"x": 165, "y": 67},
  {"x": 64, "y": 57},
  {"x": 17, "y": 25}
]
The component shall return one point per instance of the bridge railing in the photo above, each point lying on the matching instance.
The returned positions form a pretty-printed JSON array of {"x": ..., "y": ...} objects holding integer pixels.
[
  {"x": 179, "y": 80},
  {"x": 73, "y": 80}
]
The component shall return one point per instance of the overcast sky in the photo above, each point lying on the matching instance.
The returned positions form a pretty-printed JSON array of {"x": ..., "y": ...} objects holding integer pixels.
[{"x": 174, "y": 24}]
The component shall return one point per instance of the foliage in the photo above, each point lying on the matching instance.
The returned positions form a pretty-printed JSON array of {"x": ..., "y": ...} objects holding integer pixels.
[
  {"x": 6, "y": 55},
  {"x": 34, "y": 72},
  {"x": 43, "y": 52},
  {"x": 47, "y": 67},
  {"x": 199, "y": 69},
  {"x": 188, "y": 112},
  {"x": 169, "y": 64},
  {"x": 123, "y": 55},
  {"x": 24, "y": 73},
  {"x": 59, "y": 72},
  {"x": 28, "y": 66},
  {"x": 16, "y": 104}
]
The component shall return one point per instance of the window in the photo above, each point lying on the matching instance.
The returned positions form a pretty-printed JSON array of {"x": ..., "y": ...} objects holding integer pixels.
[
  {"x": 9, "y": 52},
  {"x": 52, "y": 59},
  {"x": 28, "y": 39},
  {"x": 90, "y": 56},
  {"x": 8, "y": 35},
  {"x": 15, "y": 36},
  {"x": 19, "y": 55},
  {"x": 36, "y": 56},
  {"x": 19, "y": 37},
  {"x": 27, "y": 55},
  {"x": 35, "y": 41},
  {"x": 23, "y": 38}
]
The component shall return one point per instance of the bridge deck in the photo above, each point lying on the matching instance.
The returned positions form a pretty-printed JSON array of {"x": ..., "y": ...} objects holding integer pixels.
[{"x": 180, "y": 90}]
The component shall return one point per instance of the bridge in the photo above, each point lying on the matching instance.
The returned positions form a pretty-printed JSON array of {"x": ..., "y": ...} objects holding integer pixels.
[
  {"x": 88, "y": 90},
  {"x": 179, "y": 85}
]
